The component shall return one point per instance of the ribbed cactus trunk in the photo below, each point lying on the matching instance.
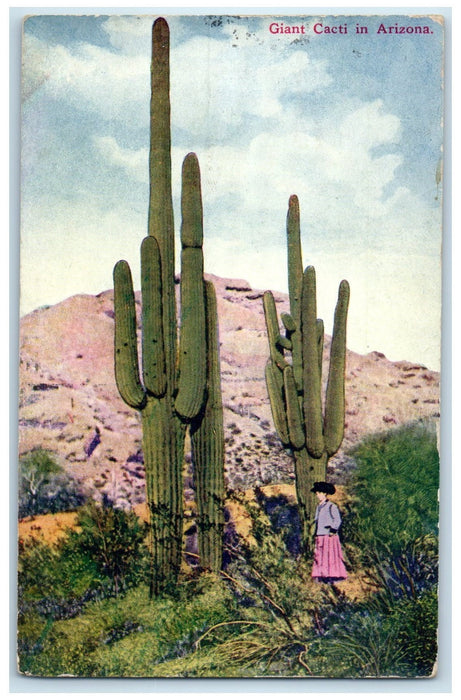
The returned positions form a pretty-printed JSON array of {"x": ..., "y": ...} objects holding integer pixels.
[
  {"x": 314, "y": 433},
  {"x": 179, "y": 387},
  {"x": 208, "y": 450}
]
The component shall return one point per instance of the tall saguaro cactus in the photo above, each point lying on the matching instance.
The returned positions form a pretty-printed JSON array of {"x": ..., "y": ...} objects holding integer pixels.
[
  {"x": 312, "y": 431},
  {"x": 176, "y": 387}
]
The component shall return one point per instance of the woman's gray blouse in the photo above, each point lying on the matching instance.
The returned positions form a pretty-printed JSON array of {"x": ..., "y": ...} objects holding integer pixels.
[{"x": 327, "y": 517}]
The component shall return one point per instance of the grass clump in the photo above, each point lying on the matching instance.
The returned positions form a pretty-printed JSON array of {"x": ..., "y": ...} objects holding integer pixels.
[{"x": 129, "y": 636}]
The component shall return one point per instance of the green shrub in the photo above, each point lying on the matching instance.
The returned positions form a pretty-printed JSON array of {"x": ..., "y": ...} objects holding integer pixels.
[
  {"x": 393, "y": 520},
  {"x": 59, "y": 573},
  {"x": 105, "y": 552},
  {"x": 114, "y": 540},
  {"x": 279, "y": 607},
  {"x": 418, "y": 621},
  {"x": 395, "y": 486},
  {"x": 38, "y": 568},
  {"x": 50, "y": 588},
  {"x": 44, "y": 486},
  {"x": 392, "y": 525}
]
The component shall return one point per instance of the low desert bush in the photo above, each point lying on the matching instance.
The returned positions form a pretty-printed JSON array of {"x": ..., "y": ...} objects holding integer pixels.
[
  {"x": 44, "y": 486},
  {"x": 395, "y": 487}
]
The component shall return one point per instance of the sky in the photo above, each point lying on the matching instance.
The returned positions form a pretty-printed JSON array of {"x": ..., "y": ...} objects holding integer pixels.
[{"x": 350, "y": 122}]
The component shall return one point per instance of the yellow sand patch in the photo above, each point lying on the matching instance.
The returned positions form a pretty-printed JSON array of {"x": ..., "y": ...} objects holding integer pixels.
[
  {"x": 355, "y": 587},
  {"x": 50, "y": 527},
  {"x": 241, "y": 520},
  {"x": 274, "y": 490},
  {"x": 142, "y": 511}
]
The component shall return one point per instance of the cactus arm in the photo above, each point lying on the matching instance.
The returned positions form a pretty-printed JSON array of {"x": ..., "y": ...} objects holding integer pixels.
[
  {"x": 335, "y": 394},
  {"x": 274, "y": 383},
  {"x": 126, "y": 351},
  {"x": 273, "y": 332},
  {"x": 160, "y": 221},
  {"x": 207, "y": 437},
  {"x": 312, "y": 401},
  {"x": 153, "y": 356},
  {"x": 289, "y": 325},
  {"x": 295, "y": 282},
  {"x": 288, "y": 322},
  {"x": 191, "y": 204},
  {"x": 284, "y": 343},
  {"x": 192, "y": 354},
  {"x": 295, "y": 265},
  {"x": 293, "y": 411}
]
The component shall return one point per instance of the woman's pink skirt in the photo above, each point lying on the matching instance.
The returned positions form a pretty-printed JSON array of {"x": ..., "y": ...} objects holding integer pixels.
[{"x": 328, "y": 558}]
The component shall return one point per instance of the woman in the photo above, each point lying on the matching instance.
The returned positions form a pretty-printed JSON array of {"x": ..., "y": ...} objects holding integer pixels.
[{"x": 328, "y": 559}]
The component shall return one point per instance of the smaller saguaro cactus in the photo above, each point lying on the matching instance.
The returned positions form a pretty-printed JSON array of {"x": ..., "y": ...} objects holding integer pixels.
[{"x": 312, "y": 431}]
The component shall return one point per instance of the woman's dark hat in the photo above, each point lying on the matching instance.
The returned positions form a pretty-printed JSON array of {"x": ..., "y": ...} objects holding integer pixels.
[{"x": 323, "y": 487}]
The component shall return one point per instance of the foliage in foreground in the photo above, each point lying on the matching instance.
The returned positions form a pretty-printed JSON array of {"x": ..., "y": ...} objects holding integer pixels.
[{"x": 263, "y": 615}]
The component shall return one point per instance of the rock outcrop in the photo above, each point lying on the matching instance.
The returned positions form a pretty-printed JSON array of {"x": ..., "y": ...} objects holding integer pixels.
[{"x": 69, "y": 403}]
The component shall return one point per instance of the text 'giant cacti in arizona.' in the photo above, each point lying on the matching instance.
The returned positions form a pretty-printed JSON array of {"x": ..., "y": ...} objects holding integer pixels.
[
  {"x": 314, "y": 433},
  {"x": 178, "y": 388}
]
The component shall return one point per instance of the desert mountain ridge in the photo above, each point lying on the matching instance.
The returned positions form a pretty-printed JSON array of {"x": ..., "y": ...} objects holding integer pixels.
[{"x": 69, "y": 403}]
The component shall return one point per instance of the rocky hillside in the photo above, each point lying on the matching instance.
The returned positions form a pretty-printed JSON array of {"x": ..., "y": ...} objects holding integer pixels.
[{"x": 69, "y": 403}]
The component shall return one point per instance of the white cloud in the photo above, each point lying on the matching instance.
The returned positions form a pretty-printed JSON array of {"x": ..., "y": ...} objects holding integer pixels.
[
  {"x": 368, "y": 127},
  {"x": 207, "y": 77},
  {"x": 90, "y": 77},
  {"x": 131, "y": 35},
  {"x": 341, "y": 188},
  {"x": 133, "y": 162},
  {"x": 35, "y": 69}
]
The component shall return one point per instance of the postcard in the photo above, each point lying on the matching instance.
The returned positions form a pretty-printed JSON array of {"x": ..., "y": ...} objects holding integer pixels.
[{"x": 230, "y": 291}]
